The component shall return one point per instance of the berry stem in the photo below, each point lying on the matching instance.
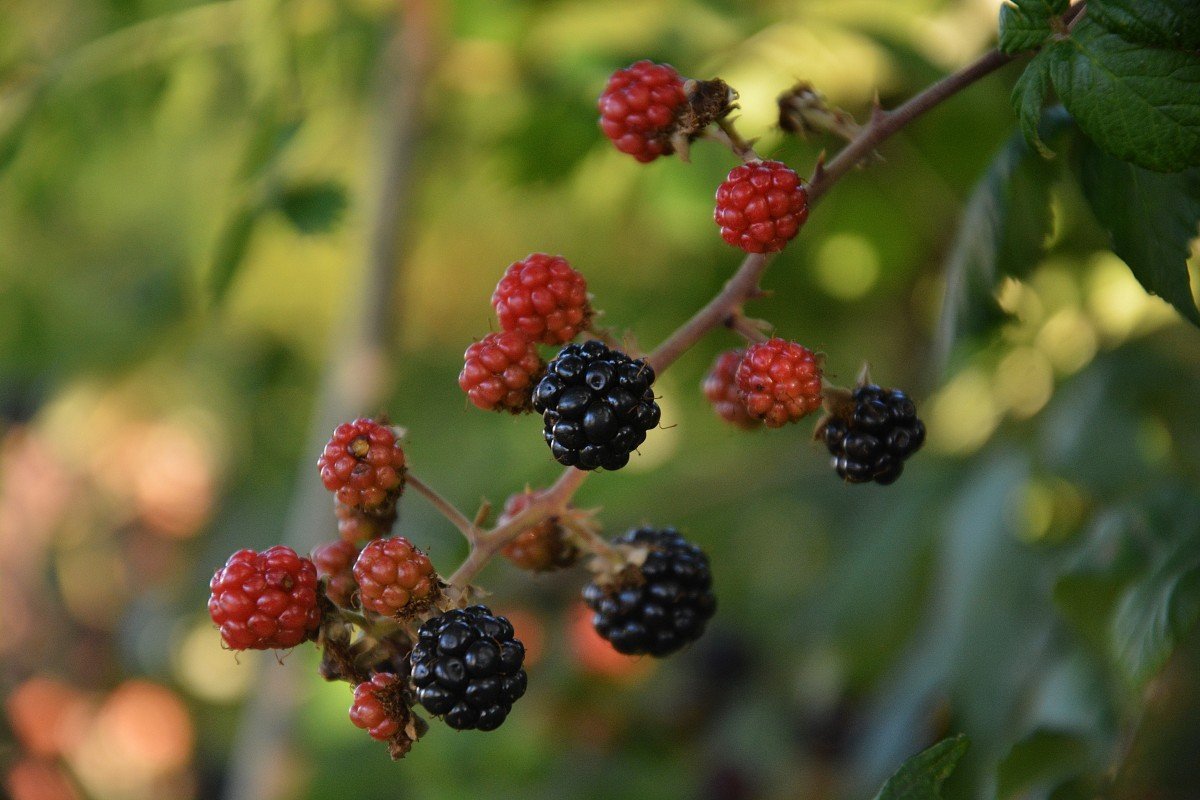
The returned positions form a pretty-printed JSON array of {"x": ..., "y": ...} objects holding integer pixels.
[
  {"x": 447, "y": 509},
  {"x": 753, "y": 330},
  {"x": 727, "y": 134},
  {"x": 586, "y": 535}
]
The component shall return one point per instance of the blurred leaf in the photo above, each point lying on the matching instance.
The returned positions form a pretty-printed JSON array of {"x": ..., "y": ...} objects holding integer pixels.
[
  {"x": 1157, "y": 610},
  {"x": 1025, "y": 24},
  {"x": 273, "y": 133},
  {"x": 1043, "y": 757},
  {"x": 1151, "y": 218},
  {"x": 1003, "y": 232},
  {"x": 1028, "y": 96},
  {"x": 921, "y": 777},
  {"x": 1171, "y": 23},
  {"x": 231, "y": 250},
  {"x": 313, "y": 207},
  {"x": 1138, "y": 103}
]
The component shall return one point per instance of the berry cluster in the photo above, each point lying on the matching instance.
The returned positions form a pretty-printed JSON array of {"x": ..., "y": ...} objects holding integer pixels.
[
  {"x": 660, "y": 606},
  {"x": 639, "y": 107},
  {"x": 539, "y": 548},
  {"x": 265, "y": 600},
  {"x": 720, "y": 389},
  {"x": 543, "y": 298},
  {"x": 363, "y": 465},
  {"x": 596, "y": 406},
  {"x": 395, "y": 579},
  {"x": 500, "y": 370},
  {"x": 761, "y": 206},
  {"x": 872, "y": 442},
  {"x": 466, "y": 666}
]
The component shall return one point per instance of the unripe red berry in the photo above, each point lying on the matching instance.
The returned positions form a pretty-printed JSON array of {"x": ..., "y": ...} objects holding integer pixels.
[
  {"x": 356, "y": 525},
  {"x": 378, "y": 706},
  {"x": 363, "y": 464},
  {"x": 779, "y": 382},
  {"x": 395, "y": 578},
  {"x": 761, "y": 206},
  {"x": 720, "y": 387},
  {"x": 265, "y": 600},
  {"x": 500, "y": 371},
  {"x": 335, "y": 562},
  {"x": 544, "y": 298},
  {"x": 639, "y": 107},
  {"x": 540, "y": 548}
]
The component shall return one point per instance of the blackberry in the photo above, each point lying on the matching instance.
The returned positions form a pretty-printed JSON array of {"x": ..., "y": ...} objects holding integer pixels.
[
  {"x": 466, "y": 666},
  {"x": 597, "y": 405},
  {"x": 660, "y": 606},
  {"x": 880, "y": 433}
]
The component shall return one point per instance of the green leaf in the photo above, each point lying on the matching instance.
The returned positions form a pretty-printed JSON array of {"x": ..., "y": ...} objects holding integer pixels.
[
  {"x": 1139, "y": 103},
  {"x": 273, "y": 133},
  {"x": 1156, "y": 612},
  {"x": 1028, "y": 95},
  {"x": 1003, "y": 232},
  {"x": 1026, "y": 24},
  {"x": 313, "y": 207},
  {"x": 231, "y": 251},
  {"x": 1169, "y": 23},
  {"x": 1151, "y": 218},
  {"x": 921, "y": 777},
  {"x": 1043, "y": 757}
]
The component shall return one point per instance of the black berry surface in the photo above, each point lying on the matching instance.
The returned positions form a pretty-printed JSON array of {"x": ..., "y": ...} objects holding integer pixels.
[
  {"x": 659, "y": 607},
  {"x": 597, "y": 405},
  {"x": 882, "y": 431},
  {"x": 466, "y": 666}
]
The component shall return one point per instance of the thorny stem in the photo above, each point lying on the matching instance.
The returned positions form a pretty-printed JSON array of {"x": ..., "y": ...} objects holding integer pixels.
[
  {"x": 751, "y": 329},
  {"x": 726, "y": 307}
]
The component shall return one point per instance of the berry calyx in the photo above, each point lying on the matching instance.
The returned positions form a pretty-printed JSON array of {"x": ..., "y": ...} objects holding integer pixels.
[
  {"x": 597, "y": 405},
  {"x": 265, "y": 600},
  {"x": 500, "y": 370},
  {"x": 871, "y": 437},
  {"x": 779, "y": 382},
  {"x": 335, "y": 563},
  {"x": 660, "y": 606},
  {"x": 761, "y": 206},
  {"x": 544, "y": 298},
  {"x": 467, "y": 667},
  {"x": 541, "y": 548},
  {"x": 639, "y": 108},
  {"x": 720, "y": 388},
  {"x": 395, "y": 578},
  {"x": 363, "y": 465}
]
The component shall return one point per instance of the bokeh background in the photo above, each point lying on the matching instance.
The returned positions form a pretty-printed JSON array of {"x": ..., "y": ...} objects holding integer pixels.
[{"x": 225, "y": 225}]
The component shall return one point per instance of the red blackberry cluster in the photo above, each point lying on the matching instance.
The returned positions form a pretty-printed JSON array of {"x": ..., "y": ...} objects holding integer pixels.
[
  {"x": 540, "y": 548},
  {"x": 779, "y": 382},
  {"x": 544, "y": 298},
  {"x": 658, "y": 607},
  {"x": 395, "y": 578},
  {"x": 466, "y": 666},
  {"x": 597, "y": 405},
  {"x": 378, "y": 706},
  {"x": 500, "y": 370},
  {"x": 335, "y": 563},
  {"x": 265, "y": 600},
  {"x": 880, "y": 433},
  {"x": 363, "y": 465},
  {"x": 639, "y": 107},
  {"x": 720, "y": 388},
  {"x": 761, "y": 206}
]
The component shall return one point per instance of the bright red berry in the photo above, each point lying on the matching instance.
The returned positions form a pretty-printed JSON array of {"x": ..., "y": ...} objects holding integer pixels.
[
  {"x": 363, "y": 464},
  {"x": 500, "y": 371},
  {"x": 379, "y": 707},
  {"x": 395, "y": 578},
  {"x": 541, "y": 548},
  {"x": 761, "y": 206},
  {"x": 779, "y": 381},
  {"x": 544, "y": 298},
  {"x": 265, "y": 600},
  {"x": 720, "y": 387},
  {"x": 335, "y": 562},
  {"x": 639, "y": 106}
]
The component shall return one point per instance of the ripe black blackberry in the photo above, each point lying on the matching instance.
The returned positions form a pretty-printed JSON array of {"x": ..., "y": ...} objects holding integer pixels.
[
  {"x": 880, "y": 433},
  {"x": 660, "y": 606},
  {"x": 597, "y": 405},
  {"x": 466, "y": 666}
]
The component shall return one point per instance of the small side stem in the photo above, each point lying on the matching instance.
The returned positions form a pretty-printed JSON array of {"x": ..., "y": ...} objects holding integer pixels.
[{"x": 447, "y": 509}]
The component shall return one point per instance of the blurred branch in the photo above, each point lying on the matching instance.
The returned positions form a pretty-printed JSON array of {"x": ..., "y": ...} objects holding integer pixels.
[
  {"x": 355, "y": 380},
  {"x": 445, "y": 507}
]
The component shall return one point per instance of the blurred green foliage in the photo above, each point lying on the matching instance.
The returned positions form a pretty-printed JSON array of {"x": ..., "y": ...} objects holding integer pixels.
[{"x": 183, "y": 223}]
